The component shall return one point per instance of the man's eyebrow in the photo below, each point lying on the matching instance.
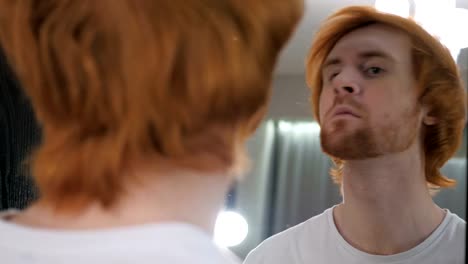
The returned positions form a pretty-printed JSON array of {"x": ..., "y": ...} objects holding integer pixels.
[
  {"x": 330, "y": 62},
  {"x": 376, "y": 53},
  {"x": 365, "y": 55}
]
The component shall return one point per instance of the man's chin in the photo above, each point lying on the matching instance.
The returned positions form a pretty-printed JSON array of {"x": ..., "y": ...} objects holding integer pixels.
[
  {"x": 349, "y": 153},
  {"x": 357, "y": 146}
]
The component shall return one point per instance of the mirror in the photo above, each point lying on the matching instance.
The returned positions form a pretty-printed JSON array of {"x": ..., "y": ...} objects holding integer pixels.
[{"x": 289, "y": 180}]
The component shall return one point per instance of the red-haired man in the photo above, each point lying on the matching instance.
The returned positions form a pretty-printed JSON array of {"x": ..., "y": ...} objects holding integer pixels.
[{"x": 391, "y": 107}]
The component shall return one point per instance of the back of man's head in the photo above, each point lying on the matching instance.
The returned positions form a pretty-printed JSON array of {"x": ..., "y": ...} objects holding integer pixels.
[{"x": 175, "y": 83}]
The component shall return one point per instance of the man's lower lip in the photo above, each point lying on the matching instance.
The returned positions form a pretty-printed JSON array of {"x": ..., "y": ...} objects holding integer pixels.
[{"x": 346, "y": 114}]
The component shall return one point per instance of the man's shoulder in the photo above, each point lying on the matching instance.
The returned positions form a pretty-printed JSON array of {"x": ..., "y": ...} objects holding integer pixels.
[
  {"x": 152, "y": 243},
  {"x": 314, "y": 225},
  {"x": 457, "y": 220},
  {"x": 455, "y": 229},
  {"x": 287, "y": 244}
]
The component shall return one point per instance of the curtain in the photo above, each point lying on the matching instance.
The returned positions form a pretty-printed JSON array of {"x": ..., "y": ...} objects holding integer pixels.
[
  {"x": 303, "y": 184},
  {"x": 254, "y": 190}
]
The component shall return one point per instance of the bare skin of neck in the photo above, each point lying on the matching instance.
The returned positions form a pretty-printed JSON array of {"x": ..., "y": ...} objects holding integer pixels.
[
  {"x": 183, "y": 197},
  {"x": 387, "y": 208}
]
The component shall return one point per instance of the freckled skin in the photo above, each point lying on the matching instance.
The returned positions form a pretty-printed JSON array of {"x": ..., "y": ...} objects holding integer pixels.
[{"x": 385, "y": 98}]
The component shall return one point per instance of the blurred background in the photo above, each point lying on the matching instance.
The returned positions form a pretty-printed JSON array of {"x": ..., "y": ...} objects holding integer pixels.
[{"x": 288, "y": 181}]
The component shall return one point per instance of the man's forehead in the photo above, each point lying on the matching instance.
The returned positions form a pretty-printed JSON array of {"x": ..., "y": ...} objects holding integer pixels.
[{"x": 373, "y": 39}]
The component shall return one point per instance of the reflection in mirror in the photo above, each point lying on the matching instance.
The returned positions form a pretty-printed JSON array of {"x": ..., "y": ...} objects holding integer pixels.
[{"x": 289, "y": 182}]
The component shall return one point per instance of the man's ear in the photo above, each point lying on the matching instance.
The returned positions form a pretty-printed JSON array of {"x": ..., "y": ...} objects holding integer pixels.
[{"x": 430, "y": 120}]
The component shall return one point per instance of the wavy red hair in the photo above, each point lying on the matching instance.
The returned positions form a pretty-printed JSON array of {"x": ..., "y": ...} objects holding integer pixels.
[{"x": 115, "y": 82}]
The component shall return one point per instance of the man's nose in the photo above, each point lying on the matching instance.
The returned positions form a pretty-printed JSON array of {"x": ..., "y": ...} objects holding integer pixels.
[{"x": 344, "y": 83}]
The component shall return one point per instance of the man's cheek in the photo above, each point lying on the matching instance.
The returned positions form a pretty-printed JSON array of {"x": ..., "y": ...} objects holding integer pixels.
[{"x": 324, "y": 107}]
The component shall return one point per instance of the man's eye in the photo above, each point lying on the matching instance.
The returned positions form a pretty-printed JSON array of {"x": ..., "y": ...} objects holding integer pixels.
[
  {"x": 333, "y": 75},
  {"x": 372, "y": 71}
]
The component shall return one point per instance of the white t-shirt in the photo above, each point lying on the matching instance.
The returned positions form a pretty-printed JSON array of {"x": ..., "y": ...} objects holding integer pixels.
[
  {"x": 170, "y": 243},
  {"x": 317, "y": 241}
]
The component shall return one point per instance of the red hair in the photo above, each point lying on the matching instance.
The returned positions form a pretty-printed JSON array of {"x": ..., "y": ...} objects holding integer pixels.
[
  {"x": 168, "y": 81},
  {"x": 439, "y": 84}
]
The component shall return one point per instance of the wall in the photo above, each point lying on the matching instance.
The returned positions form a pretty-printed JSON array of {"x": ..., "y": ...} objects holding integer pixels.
[{"x": 290, "y": 98}]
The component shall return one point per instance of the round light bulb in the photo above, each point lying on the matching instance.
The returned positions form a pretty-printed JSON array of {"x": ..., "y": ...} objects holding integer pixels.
[{"x": 231, "y": 229}]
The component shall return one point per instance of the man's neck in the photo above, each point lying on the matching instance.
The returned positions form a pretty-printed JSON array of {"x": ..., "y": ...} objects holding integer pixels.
[
  {"x": 387, "y": 208},
  {"x": 183, "y": 198}
]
